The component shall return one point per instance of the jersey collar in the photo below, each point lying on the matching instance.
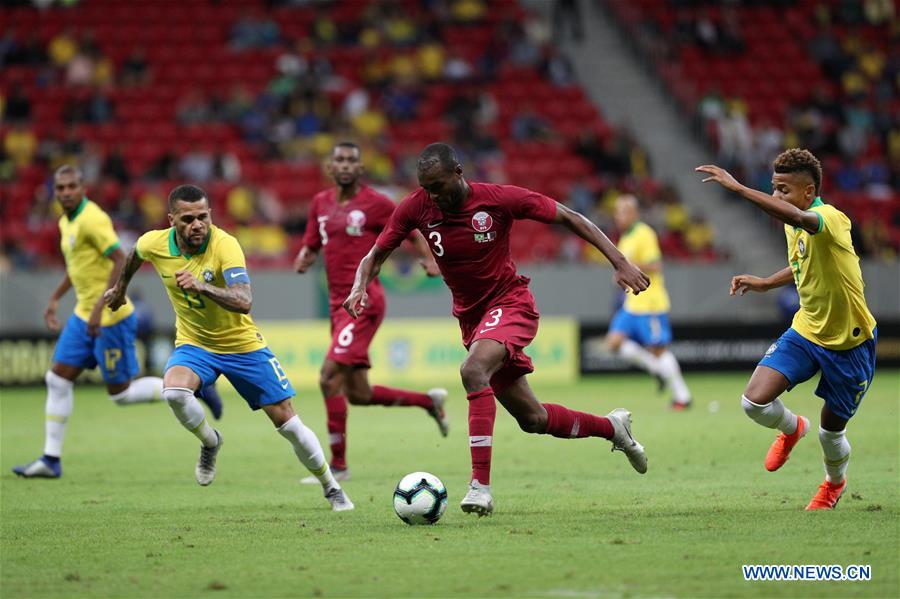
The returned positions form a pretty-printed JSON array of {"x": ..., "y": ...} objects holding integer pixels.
[
  {"x": 817, "y": 202},
  {"x": 174, "y": 249},
  {"x": 80, "y": 209}
]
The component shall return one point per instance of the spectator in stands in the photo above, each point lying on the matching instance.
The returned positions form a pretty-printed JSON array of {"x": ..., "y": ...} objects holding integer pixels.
[
  {"x": 134, "y": 69},
  {"x": 527, "y": 125},
  {"x": 557, "y": 68},
  {"x": 226, "y": 166},
  {"x": 254, "y": 31},
  {"x": 567, "y": 13},
  {"x": 30, "y": 53},
  {"x": 115, "y": 166},
  {"x": 20, "y": 144},
  {"x": 62, "y": 48},
  {"x": 164, "y": 167},
  {"x": 457, "y": 68},
  {"x": 100, "y": 108},
  {"x": 80, "y": 69},
  {"x": 401, "y": 100},
  {"x": 197, "y": 165},
  {"x": 468, "y": 11},
  {"x": 18, "y": 106},
  {"x": 193, "y": 109}
]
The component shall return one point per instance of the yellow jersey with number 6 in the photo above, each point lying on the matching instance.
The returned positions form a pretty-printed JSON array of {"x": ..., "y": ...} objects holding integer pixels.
[
  {"x": 833, "y": 311},
  {"x": 198, "y": 319},
  {"x": 87, "y": 238},
  {"x": 640, "y": 245}
]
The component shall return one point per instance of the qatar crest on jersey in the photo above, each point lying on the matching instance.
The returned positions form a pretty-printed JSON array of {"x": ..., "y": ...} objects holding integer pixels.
[
  {"x": 356, "y": 219},
  {"x": 482, "y": 221}
]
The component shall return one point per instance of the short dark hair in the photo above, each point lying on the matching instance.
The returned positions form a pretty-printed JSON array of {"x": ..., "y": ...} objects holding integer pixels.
[
  {"x": 437, "y": 154},
  {"x": 185, "y": 193},
  {"x": 68, "y": 169},
  {"x": 796, "y": 160},
  {"x": 346, "y": 144}
]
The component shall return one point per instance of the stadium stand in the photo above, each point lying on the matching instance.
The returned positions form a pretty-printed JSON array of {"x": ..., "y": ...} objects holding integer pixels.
[
  {"x": 246, "y": 97},
  {"x": 760, "y": 76}
]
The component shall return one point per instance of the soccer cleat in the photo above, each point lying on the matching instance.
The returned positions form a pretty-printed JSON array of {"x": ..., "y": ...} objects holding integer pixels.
[
  {"x": 680, "y": 406},
  {"x": 338, "y": 500},
  {"x": 624, "y": 442},
  {"x": 40, "y": 468},
  {"x": 206, "y": 465},
  {"x": 827, "y": 496},
  {"x": 438, "y": 399},
  {"x": 210, "y": 396},
  {"x": 478, "y": 500},
  {"x": 781, "y": 448},
  {"x": 340, "y": 475}
]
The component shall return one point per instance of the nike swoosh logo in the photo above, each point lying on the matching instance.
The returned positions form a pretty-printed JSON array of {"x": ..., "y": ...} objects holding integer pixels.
[
  {"x": 485, "y": 330},
  {"x": 477, "y": 441},
  {"x": 340, "y": 350},
  {"x": 284, "y": 385},
  {"x": 237, "y": 274},
  {"x": 433, "y": 225}
]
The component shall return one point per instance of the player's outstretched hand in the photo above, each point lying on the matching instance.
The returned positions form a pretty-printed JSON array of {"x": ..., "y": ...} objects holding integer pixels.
[
  {"x": 720, "y": 176},
  {"x": 305, "y": 258},
  {"x": 356, "y": 302},
  {"x": 430, "y": 266},
  {"x": 50, "y": 317},
  {"x": 188, "y": 281},
  {"x": 114, "y": 297},
  {"x": 631, "y": 278},
  {"x": 741, "y": 284}
]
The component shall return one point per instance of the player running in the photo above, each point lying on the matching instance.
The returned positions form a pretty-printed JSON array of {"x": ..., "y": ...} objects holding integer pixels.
[
  {"x": 833, "y": 331},
  {"x": 93, "y": 335},
  {"x": 640, "y": 330},
  {"x": 205, "y": 275},
  {"x": 345, "y": 220},
  {"x": 467, "y": 226}
]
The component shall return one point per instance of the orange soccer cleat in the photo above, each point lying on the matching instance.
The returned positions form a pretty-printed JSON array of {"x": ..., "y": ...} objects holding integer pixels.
[
  {"x": 781, "y": 448},
  {"x": 827, "y": 496}
]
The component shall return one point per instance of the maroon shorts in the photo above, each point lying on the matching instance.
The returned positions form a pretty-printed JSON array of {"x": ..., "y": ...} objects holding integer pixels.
[
  {"x": 513, "y": 321},
  {"x": 350, "y": 338}
]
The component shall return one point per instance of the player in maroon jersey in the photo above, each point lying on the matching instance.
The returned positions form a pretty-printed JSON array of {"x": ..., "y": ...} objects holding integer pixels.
[
  {"x": 345, "y": 220},
  {"x": 467, "y": 226}
]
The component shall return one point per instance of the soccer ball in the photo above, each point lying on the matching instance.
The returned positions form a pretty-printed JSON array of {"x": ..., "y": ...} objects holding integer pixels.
[{"x": 420, "y": 498}]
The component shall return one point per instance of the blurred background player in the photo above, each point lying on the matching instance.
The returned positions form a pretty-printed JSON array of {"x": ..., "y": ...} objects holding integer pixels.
[
  {"x": 345, "y": 220},
  {"x": 640, "y": 331},
  {"x": 833, "y": 331},
  {"x": 468, "y": 226},
  {"x": 93, "y": 335},
  {"x": 205, "y": 275}
]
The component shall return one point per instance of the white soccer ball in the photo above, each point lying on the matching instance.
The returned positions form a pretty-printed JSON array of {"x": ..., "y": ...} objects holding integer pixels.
[{"x": 420, "y": 498}]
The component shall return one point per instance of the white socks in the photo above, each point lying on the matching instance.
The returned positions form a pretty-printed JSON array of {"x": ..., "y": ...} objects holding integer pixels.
[
  {"x": 309, "y": 451},
  {"x": 60, "y": 400},
  {"x": 771, "y": 415},
  {"x": 671, "y": 372},
  {"x": 190, "y": 414},
  {"x": 143, "y": 390},
  {"x": 837, "y": 454},
  {"x": 633, "y": 353}
]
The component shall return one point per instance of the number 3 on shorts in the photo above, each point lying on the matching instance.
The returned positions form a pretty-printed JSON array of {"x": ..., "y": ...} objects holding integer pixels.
[
  {"x": 345, "y": 338},
  {"x": 495, "y": 318}
]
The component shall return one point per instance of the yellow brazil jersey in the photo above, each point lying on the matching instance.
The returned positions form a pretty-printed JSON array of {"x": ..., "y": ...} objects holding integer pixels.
[
  {"x": 833, "y": 311},
  {"x": 640, "y": 245},
  {"x": 87, "y": 238},
  {"x": 199, "y": 320}
]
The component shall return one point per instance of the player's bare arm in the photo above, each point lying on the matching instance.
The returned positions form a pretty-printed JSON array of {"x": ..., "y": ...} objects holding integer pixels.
[
  {"x": 50, "y": 311},
  {"x": 237, "y": 298},
  {"x": 368, "y": 269},
  {"x": 114, "y": 297},
  {"x": 426, "y": 258},
  {"x": 117, "y": 256},
  {"x": 628, "y": 276},
  {"x": 741, "y": 284},
  {"x": 305, "y": 259},
  {"x": 782, "y": 210}
]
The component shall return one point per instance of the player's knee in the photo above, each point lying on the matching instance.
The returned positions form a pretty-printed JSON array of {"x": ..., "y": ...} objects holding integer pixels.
[
  {"x": 178, "y": 396},
  {"x": 359, "y": 397},
  {"x": 56, "y": 383},
  {"x": 474, "y": 376},
  {"x": 533, "y": 422},
  {"x": 613, "y": 343},
  {"x": 330, "y": 384}
]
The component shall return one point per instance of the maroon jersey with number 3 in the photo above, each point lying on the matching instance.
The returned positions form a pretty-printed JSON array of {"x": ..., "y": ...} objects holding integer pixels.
[
  {"x": 346, "y": 233},
  {"x": 471, "y": 246}
]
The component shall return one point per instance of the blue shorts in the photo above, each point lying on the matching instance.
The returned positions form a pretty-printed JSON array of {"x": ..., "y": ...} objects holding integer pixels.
[
  {"x": 846, "y": 374},
  {"x": 645, "y": 329},
  {"x": 256, "y": 375},
  {"x": 113, "y": 350}
]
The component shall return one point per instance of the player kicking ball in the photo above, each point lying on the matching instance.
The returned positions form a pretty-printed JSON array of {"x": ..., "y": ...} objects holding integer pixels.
[
  {"x": 343, "y": 223},
  {"x": 833, "y": 331},
  {"x": 640, "y": 331},
  {"x": 467, "y": 226},
  {"x": 205, "y": 276}
]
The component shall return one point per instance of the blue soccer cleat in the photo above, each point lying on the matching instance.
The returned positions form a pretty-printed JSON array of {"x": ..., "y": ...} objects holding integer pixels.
[
  {"x": 40, "y": 468},
  {"x": 210, "y": 396}
]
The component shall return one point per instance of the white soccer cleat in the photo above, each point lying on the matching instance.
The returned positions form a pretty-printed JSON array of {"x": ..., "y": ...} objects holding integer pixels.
[
  {"x": 338, "y": 500},
  {"x": 478, "y": 500},
  {"x": 206, "y": 464},
  {"x": 624, "y": 442},
  {"x": 40, "y": 468},
  {"x": 438, "y": 397},
  {"x": 340, "y": 475}
]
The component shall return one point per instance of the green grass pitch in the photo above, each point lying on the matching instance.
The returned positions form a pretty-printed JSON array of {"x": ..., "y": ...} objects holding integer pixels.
[{"x": 571, "y": 520}]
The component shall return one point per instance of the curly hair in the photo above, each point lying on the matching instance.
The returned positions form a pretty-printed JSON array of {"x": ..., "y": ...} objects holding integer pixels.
[{"x": 796, "y": 160}]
